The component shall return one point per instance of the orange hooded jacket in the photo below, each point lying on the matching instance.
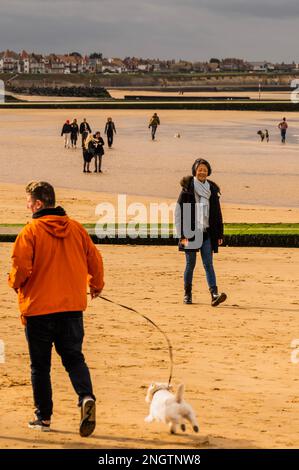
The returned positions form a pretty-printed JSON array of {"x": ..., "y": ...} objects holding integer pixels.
[{"x": 53, "y": 260}]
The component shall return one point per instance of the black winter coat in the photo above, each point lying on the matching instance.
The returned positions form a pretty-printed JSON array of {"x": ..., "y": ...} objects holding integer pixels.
[
  {"x": 85, "y": 127},
  {"x": 66, "y": 129},
  {"x": 215, "y": 216},
  {"x": 74, "y": 129}
]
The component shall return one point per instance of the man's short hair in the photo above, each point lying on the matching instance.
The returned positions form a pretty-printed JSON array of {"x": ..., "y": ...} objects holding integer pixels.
[{"x": 42, "y": 191}]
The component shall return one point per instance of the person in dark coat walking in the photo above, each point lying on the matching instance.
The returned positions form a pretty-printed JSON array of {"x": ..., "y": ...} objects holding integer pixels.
[
  {"x": 109, "y": 131},
  {"x": 199, "y": 226},
  {"x": 74, "y": 133},
  {"x": 85, "y": 129},
  {"x": 66, "y": 132}
]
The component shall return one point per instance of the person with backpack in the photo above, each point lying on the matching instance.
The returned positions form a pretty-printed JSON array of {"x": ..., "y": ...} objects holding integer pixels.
[{"x": 154, "y": 123}]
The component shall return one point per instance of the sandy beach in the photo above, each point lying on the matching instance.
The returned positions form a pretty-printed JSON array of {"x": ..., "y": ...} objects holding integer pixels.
[
  {"x": 81, "y": 205},
  {"x": 255, "y": 95},
  {"x": 248, "y": 171},
  {"x": 235, "y": 360}
]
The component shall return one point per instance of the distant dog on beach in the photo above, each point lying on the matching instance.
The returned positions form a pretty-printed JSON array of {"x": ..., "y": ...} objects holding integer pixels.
[
  {"x": 263, "y": 135},
  {"x": 169, "y": 408}
]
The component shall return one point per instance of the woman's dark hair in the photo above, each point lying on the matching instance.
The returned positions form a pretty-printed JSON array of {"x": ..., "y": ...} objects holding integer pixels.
[{"x": 201, "y": 161}]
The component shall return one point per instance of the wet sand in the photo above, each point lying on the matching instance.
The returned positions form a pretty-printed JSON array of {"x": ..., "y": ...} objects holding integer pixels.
[
  {"x": 248, "y": 171},
  {"x": 255, "y": 95}
]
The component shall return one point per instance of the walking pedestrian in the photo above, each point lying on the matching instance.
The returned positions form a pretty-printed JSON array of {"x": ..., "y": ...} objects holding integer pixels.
[
  {"x": 85, "y": 129},
  {"x": 53, "y": 259},
  {"x": 200, "y": 227},
  {"x": 283, "y": 125},
  {"x": 94, "y": 144},
  {"x": 154, "y": 123},
  {"x": 66, "y": 132},
  {"x": 109, "y": 131}
]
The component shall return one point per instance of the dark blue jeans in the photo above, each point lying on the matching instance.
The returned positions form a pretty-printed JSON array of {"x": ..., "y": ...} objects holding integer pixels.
[
  {"x": 154, "y": 130},
  {"x": 207, "y": 260},
  {"x": 283, "y": 133},
  {"x": 64, "y": 330}
]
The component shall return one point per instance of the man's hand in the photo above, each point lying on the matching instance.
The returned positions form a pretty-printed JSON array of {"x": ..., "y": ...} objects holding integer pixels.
[
  {"x": 94, "y": 292},
  {"x": 220, "y": 242}
]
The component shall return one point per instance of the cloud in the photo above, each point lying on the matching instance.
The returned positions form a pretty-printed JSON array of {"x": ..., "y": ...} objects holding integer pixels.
[
  {"x": 191, "y": 29},
  {"x": 278, "y": 9}
]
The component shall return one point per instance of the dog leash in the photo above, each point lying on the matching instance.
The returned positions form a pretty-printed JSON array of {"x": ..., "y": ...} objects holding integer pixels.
[{"x": 155, "y": 325}]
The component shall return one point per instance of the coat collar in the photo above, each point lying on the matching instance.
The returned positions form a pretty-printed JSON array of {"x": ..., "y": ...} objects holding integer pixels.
[{"x": 187, "y": 184}]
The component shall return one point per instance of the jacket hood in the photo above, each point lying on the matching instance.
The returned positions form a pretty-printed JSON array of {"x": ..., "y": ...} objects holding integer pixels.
[
  {"x": 186, "y": 182},
  {"x": 54, "y": 221}
]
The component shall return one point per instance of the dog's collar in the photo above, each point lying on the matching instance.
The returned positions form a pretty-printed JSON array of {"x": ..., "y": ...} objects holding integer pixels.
[{"x": 161, "y": 388}]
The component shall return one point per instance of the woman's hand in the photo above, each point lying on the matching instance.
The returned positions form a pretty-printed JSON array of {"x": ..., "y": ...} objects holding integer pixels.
[
  {"x": 184, "y": 241},
  {"x": 220, "y": 242}
]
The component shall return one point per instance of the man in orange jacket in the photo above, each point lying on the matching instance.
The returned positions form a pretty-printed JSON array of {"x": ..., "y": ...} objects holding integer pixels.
[{"x": 53, "y": 260}]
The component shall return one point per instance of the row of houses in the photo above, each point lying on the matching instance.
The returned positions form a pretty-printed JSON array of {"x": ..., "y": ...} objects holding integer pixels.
[
  {"x": 13, "y": 62},
  {"x": 24, "y": 62}
]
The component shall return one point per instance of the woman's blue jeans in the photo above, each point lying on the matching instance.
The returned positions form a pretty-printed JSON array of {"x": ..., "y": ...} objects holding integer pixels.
[{"x": 207, "y": 261}]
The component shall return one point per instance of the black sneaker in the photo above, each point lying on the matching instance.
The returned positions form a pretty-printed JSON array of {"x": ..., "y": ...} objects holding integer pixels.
[
  {"x": 188, "y": 299},
  {"x": 188, "y": 295},
  {"x": 88, "y": 417},
  {"x": 39, "y": 425},
  {"x": 218, "y": 299}
]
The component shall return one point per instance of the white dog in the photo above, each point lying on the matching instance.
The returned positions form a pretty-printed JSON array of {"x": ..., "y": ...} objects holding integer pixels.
[{"x": 169, "y": 408}]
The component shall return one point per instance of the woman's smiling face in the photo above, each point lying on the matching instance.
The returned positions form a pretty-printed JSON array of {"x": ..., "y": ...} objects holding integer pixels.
[{"x": 201, "y": 172}]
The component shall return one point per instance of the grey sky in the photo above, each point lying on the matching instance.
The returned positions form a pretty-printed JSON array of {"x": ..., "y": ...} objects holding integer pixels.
[{"x": 191, "y": 29}]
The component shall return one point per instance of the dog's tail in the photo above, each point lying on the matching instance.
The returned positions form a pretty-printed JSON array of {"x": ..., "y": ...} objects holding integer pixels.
[{"x": 179, "y": 393}]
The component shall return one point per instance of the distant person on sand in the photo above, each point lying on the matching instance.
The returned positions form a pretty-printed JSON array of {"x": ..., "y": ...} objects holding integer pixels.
[
  {"x": 66, "y": 132},
  {"x": 199, "y": 226},
  {"x": 87, "y": 157},
  {"x": 85, "y": 129},
  {"x": 109, "y": 131},
  {"x": 94, "y": 146},
  {"x": 53, "y": 261},
  {"x": 154, "y": 123},
  {"x": 74, "y": 133},
  {"x": 283, "y": 129}
]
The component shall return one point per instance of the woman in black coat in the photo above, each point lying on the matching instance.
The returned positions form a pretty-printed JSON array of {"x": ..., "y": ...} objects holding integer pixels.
[
  {"x": 74, "y": 133},
  {"x": 109, "y": 131},
  {"x": 199, "y": 226}
]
